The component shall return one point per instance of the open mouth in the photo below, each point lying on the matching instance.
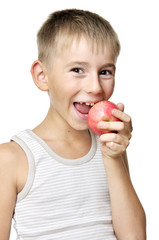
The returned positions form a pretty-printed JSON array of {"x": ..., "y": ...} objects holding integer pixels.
[{"x": 83, "y": 108}]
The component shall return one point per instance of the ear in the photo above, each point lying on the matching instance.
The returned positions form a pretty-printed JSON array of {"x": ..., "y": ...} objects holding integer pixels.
[{"x": 38, "y": 72}]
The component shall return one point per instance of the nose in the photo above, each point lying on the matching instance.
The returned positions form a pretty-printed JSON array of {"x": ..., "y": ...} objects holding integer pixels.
[{"x": 93, "y": 85}]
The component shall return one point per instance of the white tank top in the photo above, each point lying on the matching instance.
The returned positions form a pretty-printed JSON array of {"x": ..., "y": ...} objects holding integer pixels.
[{"x": 63, "y": 199}]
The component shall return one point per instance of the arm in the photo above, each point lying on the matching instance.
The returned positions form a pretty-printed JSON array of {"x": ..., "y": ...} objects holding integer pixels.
[
  {"x": 127, "y": 212},
  {"x": 13, "y": 175},
  {"x": 7, "y": 190}
]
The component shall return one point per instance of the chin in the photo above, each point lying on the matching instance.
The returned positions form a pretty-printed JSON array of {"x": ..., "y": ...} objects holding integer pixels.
[{"x": 80, "y": 126}]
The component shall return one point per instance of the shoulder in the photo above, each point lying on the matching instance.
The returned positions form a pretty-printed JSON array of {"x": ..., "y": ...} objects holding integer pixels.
[
  {"x": 10, "y": 153},
  {"x": 13, "y": 164}
]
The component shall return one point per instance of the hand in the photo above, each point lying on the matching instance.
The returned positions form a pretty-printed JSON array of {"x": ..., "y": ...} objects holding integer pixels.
[{"x": 115, "y": 144}]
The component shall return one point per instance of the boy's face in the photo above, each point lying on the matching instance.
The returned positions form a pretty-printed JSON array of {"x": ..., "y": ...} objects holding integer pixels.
[{"x": 80, "y": 77}]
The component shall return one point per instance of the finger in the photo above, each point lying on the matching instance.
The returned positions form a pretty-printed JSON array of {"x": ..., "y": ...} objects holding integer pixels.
[
  {"x": 114, "y": 138},
  {"x": 120, "y": 106},
  {"x": 112, "y": 149},
  {"x": 127, "y": 134},
  {"x": 115, "y": 147},
  {"x": 111, "y": 126},
  {"x": 116, "y": 127},
  {"x": 121, "y": 115}
]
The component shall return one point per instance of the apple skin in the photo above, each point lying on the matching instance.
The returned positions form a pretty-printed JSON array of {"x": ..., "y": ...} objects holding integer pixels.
[{"x": 101, "y": 111}]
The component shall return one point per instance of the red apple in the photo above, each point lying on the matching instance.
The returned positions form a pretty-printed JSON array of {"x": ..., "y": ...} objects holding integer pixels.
[{"x": 101, "y": 111}]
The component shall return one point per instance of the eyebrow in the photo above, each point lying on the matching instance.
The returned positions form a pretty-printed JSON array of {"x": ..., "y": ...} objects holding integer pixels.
[
  {"x": 110, "y": 65},
  {"x": 77, "y": 63}
]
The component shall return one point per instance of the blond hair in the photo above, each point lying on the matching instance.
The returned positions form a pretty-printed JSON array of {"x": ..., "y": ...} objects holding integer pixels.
[{"x": 62, "y": 26}]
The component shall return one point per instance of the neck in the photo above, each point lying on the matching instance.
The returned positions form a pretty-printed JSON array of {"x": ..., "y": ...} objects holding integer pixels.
[{"x": 54, "y": 127}]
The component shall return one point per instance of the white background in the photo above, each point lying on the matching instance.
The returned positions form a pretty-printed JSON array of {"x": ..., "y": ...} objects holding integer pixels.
[{"x": 23, "y": 106}]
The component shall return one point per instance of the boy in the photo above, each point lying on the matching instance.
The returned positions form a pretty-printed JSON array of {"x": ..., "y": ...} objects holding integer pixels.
[{"x": 59, "y": 181}]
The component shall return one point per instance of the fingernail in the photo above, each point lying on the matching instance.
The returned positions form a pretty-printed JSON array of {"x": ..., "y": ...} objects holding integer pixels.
[{"x": 100, "y": 124}]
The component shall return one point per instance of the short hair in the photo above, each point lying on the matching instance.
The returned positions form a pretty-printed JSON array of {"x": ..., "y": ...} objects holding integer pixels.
[{"x": 62, "y": 26}]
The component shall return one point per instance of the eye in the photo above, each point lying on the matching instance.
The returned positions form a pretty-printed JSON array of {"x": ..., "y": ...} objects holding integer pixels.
[
  {"x": 105, "y": 72},
  {"x": 77, "y": 70}
]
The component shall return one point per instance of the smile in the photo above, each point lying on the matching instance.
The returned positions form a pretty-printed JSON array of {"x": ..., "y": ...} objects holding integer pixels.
[{"x": 82, "y": 109}]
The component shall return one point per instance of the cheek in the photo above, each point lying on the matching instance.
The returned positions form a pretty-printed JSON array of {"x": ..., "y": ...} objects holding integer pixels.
[
  {"x": 55, "y": 94},
  {"x": 108, "y": 88}
]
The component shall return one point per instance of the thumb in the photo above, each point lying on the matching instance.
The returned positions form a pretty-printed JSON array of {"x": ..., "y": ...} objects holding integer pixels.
[{"x": 120, "y": 106}]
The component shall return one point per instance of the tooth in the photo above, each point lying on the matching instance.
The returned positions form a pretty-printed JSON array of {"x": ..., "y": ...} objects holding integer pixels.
[
  {"x": 87, "y": 104},
  {"x": 92, "y": 104},
  {"x": 81, "y": 102}
]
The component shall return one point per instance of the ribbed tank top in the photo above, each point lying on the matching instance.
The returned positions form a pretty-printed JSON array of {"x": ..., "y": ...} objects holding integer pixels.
[{"x": 63, "y": 199}]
